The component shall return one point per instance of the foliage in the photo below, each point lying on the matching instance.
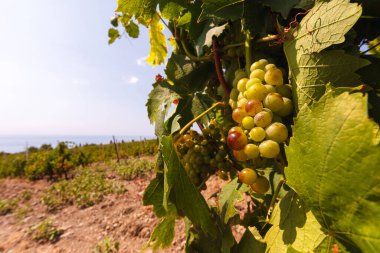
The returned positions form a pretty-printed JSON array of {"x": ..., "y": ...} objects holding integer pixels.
[
  {"x": 319, "y": 181},
  {"x": 107, "y": 245},
  {"x": 8, "y": 205},
  {"x": 45, "y": 231},
  {"x": 133, "y": 167}
]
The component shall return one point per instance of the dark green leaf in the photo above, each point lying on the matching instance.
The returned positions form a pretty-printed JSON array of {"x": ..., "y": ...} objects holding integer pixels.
[
  {"x": 154, "y": 195},
  {"x": 186, "y": 196},
  {"x": 256, "y": 18},
  {"x": 113, "y": 34},
  {"x": 205, "y": 39},
  {"x": 249, "y": 244},
  {"x": 171, "y": 9},
  {"x": 163, "y": 233},
  {"x": 132, "y": 29},
  {"x": 338, "y": 176},
  {"x": 223, "y": 9},
  {"x": 281, "y": 6}
]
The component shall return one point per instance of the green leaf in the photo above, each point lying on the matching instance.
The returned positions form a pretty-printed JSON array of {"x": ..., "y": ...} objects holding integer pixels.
[
  {"x": 132, "y": 29},
  {"x": 228, "y": 240},
  {"x": 330, "y": 244},
  {"x": 281, "y": 6},
  {"x": 143, "y": 10},
  {"x": 154, "y": 194},
  {"x": 160, "y": 99},
  {"x": 113, "y": 34},
  {"x": 231, "y": 193},
  {"x": 172, "y": 9},
  {"x": 249, "y": 243},
  {"x": 311, "y": 72},
  {"x": 205, "y": 39},
  {"x": 338, "y": 176},
  {"x": 158, "y": 47},
  {"x": 223, "y": 9},
  {"x": 293, "y": 225},
  {"x": 186, "y": 196},
  {"x": 256, "y": 17},
  {"x": 163, "y": 233}
]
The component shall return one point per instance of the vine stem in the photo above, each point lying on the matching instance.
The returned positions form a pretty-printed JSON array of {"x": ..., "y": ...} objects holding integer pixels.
[
  {"x": 188, "y": 125},
  {"x": 248, "y": 51},
  {"x": 275, "y": 195},
  {"x": 218, "y": 67}
]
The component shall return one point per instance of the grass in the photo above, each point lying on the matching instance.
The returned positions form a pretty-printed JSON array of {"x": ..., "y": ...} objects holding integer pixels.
[
  {"x": 133, "y": 168},
  {"x": 45, "y": 231},
  {"x": 8, "y": 205},
  {"x": 86, "y": 189},
  {"x": 107, "y": 245}
]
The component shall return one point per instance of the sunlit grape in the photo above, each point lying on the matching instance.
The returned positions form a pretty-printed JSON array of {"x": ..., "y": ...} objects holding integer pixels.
[
  {"x": 274, "y": 77},
  {"x": 257, "y": 134},
  {"x": 257, "y": 73},
  {"x": 248, "y": 122},
  {"x": 252, "y": 151},
  {"x": 253, "y": 106},
  {"x": 263, "y": 119},
  {"x": 269, "y": 149},
  {"x": 287, "y": 109},
  {"x": 247, "y": 176},
  {"x": 273, "y": 101},
  {"x": 256, "y": 91},
  {"x": 277, "y": 132}
]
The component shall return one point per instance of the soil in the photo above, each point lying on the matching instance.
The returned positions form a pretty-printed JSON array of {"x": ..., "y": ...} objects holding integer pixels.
[{"x": 122, "y": 217}]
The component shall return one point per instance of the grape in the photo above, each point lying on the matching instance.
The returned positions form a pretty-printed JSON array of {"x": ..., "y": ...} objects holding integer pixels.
[
  {"x": 236, "y": 140},
  {"x": 241, "y": 95},
  {"x": 270, "y": 88},
  {"x": 252, "y": 151},
  {"x": 242, "y": 102},
  {"x": 234, "y": 94},
  {"x": 231, "y": 52},
  {"x": 257, "y": 134},
  {"x": 247, "y": 176},
  {"x": 274, "y": 102},
  {"x": 251, "y": 82},
  {"x": 236, "y": 129},
  {"x": 241, "y": 85},
  {"x": 257, "y": 73},
  {"x": 256, "y": 91},
  {"x": 284, "y": 90},
  {"x": 274, "y": 77},
  {"x": 233, "y": 104},
  {"x": 248, "y": 122},
  {"x": 235, "y": 82},
  {"x": 240, "y": 155},
  {"x": 238, "y": 114},
  {"x": 222, "y": 174},
  {"x": 287, "y": 109},
  {"x": 261, "y": 185},
  {"x": 255, "y": 65},
  {"x": 277, "y": 132},
  {"x": 269, "y": 149},
  {"x": 263, "y": 119},
  {"x": 270, "y": 66},
  {"x": 263, "y": 62},
  {"x": 253, "y": 106},
  {"x": 240, "y": 73}
]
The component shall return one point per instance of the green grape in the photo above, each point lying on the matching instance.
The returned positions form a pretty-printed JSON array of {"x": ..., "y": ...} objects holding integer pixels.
[
  {"x": 284, "y": 90},
  {"x": 235, "y": 82},
  {"x": 270, "y": 66},
  {"x": 263, "y": 119},
  {"x": 276, "y": 118},
  {"x": 274, "y": 77},
  {"x": 248, "y": 122},
  {"x": 287, "y": 109},
  {"x": 257, "y": 73},
  {"x": 238, "y": 114},
  {"x": 240, "y": 155},
  {"x": 263, "y": 62},
  {"x": 236, "y": 140},
  {"x": 241, "y": 95},
  {"x": 277, "y": 132},
  {"x": 253, "y": 107},
  {"x": 269, "y": 149},
  {"x": 247, "y": 176},
  {"x": 252, "y": 151},
  {"x": 234, "y": 94},
  {"x": 255, "y": 65},
  {"x": 270, "y": 88},
  {"x": 257, "y": 134},
  {"x": 233, "y": 104},
  {"x": 239, "y": 74},
  {"x": 242, "y": 102},
  {"x": 241, "y": 85},
  {"x": 274, "y": 102},
  {"x": 261, "y": 185},
  {"x": 251, "y": 82},
  {"x": 256, "y": 91}
]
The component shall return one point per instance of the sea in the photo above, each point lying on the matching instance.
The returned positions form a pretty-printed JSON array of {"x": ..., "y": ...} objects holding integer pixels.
[{"x": 19, "y": 143}]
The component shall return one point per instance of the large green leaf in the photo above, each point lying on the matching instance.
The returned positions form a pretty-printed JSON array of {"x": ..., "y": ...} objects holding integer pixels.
[
  {"x": 293, "y": 225},
  {"x": 143, "y": 10},
  {"x": 249, "y": 243},
  {"x": 281, "y": 6},
  {"x": 222, "y": 9},
  {"x": 158, "y": 47},
  {"x": 154, "y": 195},
  {"x": 171, "y": 9},
  {"x": 231, "y": 193},
  {"x": 338, "y": 174},
  {"x": 186, "y": 196},
  {"x": 163, "y": 233}
]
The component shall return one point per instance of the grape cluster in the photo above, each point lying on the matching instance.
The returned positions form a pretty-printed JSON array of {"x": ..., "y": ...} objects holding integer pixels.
[{"x": 204, "y": 154}]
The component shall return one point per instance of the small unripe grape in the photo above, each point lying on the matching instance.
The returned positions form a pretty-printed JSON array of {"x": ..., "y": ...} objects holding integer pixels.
[
  {"x": 263, "y": 62},
  {"x": 240, "y": 155},
  {"x": 241, "y": 85},
  {"x": 251, "y": 82},
  {"x": 247, "y": 176},
  {"x": 263, "y": 119},
  {"x": 235, "y": 129},
  {"x": 284, "y": 90},
  {"x": 287, "y": 109},
  {"x": 273, "y": 101},
  {"x": 256, "y": 91},
  {"x": 233, "y": 104},
  {"x": 258, "y": 73},
  {"x": 257, "y": 134},
  {"x": 269, "y": 149},
  {"x": 252, "y": 151},
  {"x": 253, "y": 107},
  {"x": 241, "y": 95},
  {"x": 239, "y": 74},
  {"x": 222, "y": 174},
  {"x": 248, "y": 122},
  {"x": 261, "y": 185},
  {"x": 270, "y": 66},
  {"x": 236, "y": 140},
  {"x": 234, "y": 94},
  {"x": 242, "y": 102},
  {"x": 274, "y": 77},
  {"x": 277, "y": 132},
  {"x": 238, "y": 114},
  {"x": 270, "y": 88},
  {"x": 255, "y": 65},
  {"x": 235, "y": 82}
]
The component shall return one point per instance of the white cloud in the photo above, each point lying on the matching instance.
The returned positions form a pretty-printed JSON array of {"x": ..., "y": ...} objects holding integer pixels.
[
  {"x": 141, "y": 61},
  {"x": 131, "y": 79}
]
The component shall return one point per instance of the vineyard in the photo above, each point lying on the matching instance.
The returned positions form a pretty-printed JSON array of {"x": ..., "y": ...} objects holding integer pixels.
[{"x": 278, "y": 98}]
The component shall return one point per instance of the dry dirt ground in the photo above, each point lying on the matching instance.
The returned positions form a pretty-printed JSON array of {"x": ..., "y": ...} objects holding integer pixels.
[{"x": 122, "y": 217}]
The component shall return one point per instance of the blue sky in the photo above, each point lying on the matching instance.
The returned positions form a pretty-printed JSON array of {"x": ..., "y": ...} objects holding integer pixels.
[{"x": 58, "y": 75}]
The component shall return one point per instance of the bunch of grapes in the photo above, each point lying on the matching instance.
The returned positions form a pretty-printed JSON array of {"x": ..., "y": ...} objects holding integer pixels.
[
  {"x": 204, "y": 154},
  {"x": 258, "y": 102}
]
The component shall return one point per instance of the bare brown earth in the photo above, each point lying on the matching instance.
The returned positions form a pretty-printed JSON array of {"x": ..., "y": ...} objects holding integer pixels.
[{"x": 122, "y": 217}]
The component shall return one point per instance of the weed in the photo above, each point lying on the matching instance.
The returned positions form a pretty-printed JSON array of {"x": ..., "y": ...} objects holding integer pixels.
[
  {"x": 8, "y": 205},
  {"x": 107, "y": 245},
  {"x": 45, "y": 231}
]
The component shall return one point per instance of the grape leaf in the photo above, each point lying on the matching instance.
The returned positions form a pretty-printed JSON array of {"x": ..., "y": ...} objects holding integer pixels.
[
  {"x": 330, "y": 244},
  {"x": 113, "y": 34},
  {"x": 143, "y": 10},
  {"x": 249, "y": 243},
  {"x": 293, "y": 225},
  {"x": 132, "y": 29},
  {"x": 158, "y": 47},
  {"x": 281, "y": 6},
  {"x": 256, "y": 18},
  {"x": 154, "y": 195},
  {"x": 311, "y": 72},
  {"x": 338, "y": 176},
  {"x": 205, "y": 39},
  {"x": 160, "y": 98},
  {"x": 231, "y": 193},
  {"x": 186, "y": 196},
  {"x": 171, "y": 9},
  {"x": 223, "y": 9},
  {"x": 163, "y": 233}
]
